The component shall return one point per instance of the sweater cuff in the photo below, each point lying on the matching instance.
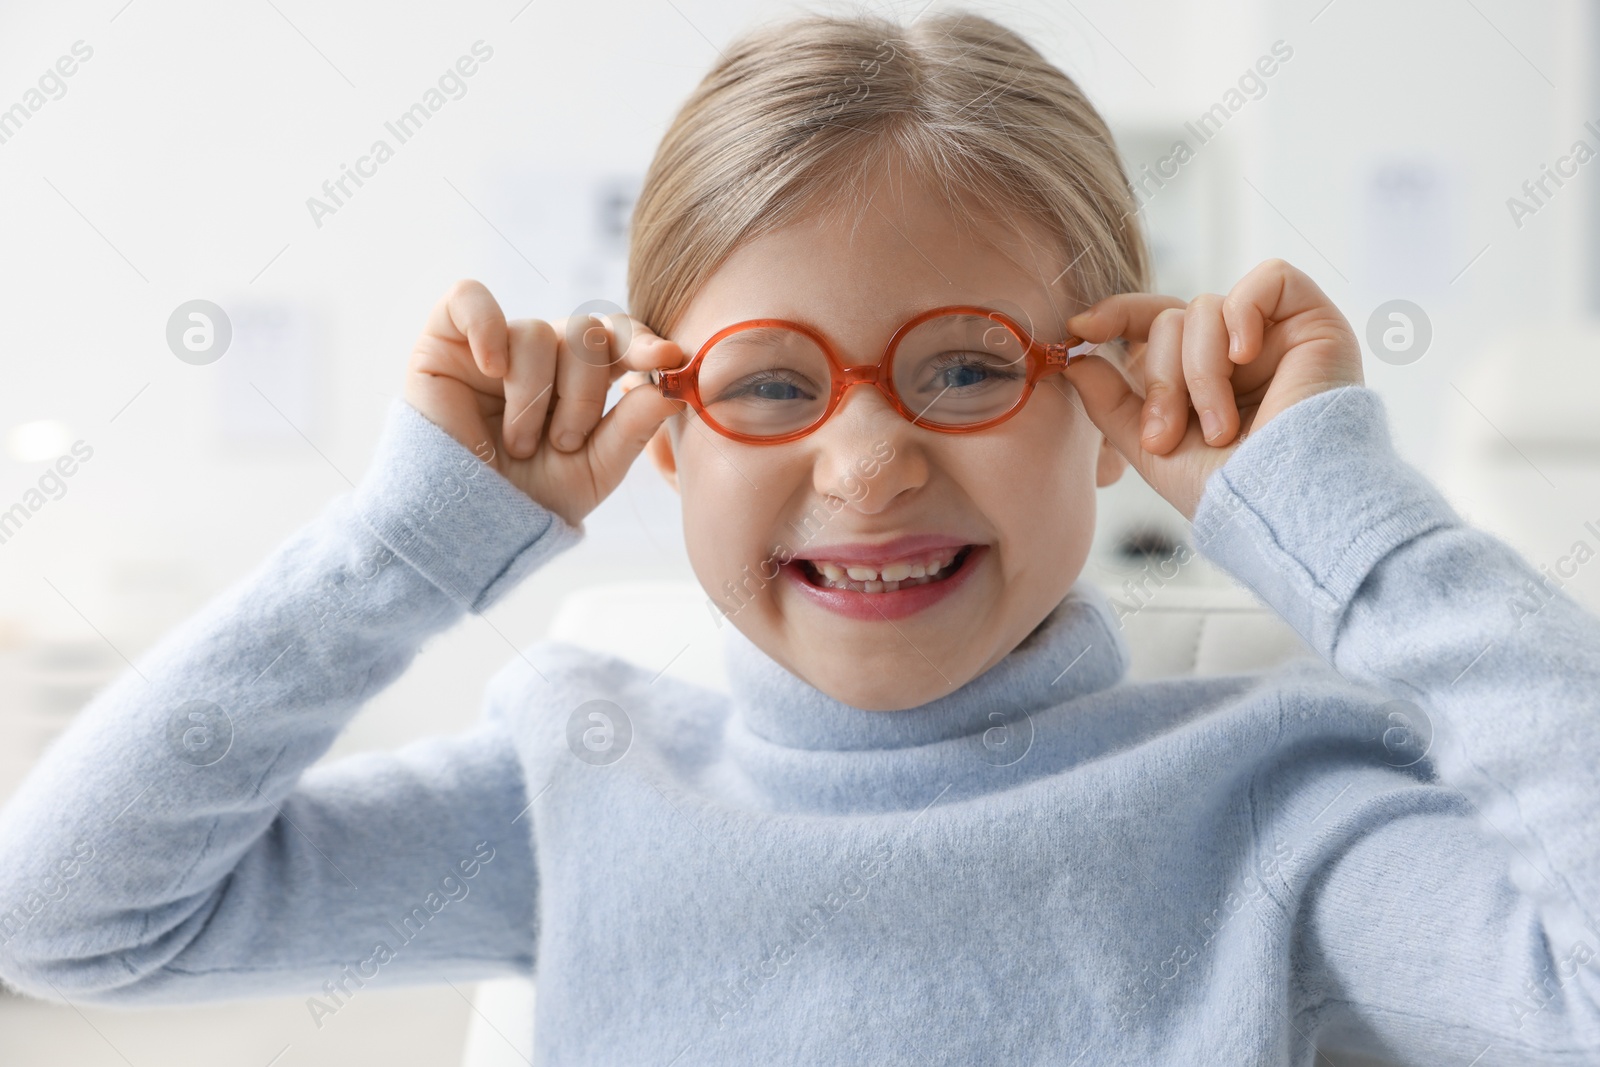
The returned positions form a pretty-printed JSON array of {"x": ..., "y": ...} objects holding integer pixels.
[
  {"x": 1308, "y": 505},
  {"x": 459, "y": 522}
]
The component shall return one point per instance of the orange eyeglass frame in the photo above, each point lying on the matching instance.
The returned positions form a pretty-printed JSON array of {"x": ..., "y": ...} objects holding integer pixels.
[{"x": 682, "y": 383}]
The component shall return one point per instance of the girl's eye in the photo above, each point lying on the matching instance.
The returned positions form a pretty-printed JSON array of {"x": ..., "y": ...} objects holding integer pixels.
[
  {"x": 965, "y": 370},
  {"x": 768, "y": 385}
]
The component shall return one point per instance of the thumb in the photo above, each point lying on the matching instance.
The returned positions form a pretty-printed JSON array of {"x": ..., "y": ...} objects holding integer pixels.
[
  {"x": 1110, "y": 403},
  {"x": 624, "y": 431}
]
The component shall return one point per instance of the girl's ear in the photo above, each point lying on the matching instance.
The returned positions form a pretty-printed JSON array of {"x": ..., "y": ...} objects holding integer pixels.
[
  {"x": 1109, "y": 465},
  {"x": 661, "y": 454}
]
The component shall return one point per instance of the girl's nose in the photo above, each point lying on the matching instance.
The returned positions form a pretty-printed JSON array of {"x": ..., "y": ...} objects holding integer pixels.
[{"x": 868, "y": 453}]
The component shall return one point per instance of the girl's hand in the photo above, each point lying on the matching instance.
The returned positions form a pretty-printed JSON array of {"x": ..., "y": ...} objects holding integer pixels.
[
  {"x": 513, "y": 393},
  {"x": 1275, "y": 339}
]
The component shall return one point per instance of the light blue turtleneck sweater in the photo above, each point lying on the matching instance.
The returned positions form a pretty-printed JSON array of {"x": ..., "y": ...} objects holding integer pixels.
[{"x": 1047, "y": 865}]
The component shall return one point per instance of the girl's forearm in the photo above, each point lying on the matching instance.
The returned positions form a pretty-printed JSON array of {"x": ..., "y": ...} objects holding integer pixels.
[
  {"x": 1380, "y": 575},
  {"x": 170, "y": 776}
]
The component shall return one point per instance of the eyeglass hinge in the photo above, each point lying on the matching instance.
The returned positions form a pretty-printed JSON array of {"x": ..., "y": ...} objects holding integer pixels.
[{"x": 1064, "y": 353}]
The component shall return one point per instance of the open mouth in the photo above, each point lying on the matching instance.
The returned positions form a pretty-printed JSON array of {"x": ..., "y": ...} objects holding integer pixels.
[{"x": 889, "y": 579}]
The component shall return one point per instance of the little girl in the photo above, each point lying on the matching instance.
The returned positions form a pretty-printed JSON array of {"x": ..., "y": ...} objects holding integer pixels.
[{"x": 932, "y": 823}]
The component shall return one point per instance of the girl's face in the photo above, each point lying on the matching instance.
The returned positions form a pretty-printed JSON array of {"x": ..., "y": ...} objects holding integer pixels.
[{"x": 1022, "y": 491}]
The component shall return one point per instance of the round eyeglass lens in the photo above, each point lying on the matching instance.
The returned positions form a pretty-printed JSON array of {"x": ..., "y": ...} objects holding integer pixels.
[
  {"x": 765, "y": 381},
  {"x": 959, "y": 369}
]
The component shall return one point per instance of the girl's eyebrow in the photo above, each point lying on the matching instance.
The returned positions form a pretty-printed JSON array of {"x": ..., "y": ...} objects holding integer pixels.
[{"x": 763, "y": 336}]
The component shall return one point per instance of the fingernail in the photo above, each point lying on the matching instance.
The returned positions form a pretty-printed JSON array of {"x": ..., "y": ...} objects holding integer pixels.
[
  {"x": 568, "y": 441},
  {"x": 1210, "y": 424},
  {"x": 1155, "y": 426},
  {"x": 1235, "y": 343}
]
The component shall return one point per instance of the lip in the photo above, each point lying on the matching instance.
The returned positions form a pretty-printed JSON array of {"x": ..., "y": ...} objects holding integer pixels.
[
  {"x": 910, "y": 548},
  {"x": 876, "y": 607}
]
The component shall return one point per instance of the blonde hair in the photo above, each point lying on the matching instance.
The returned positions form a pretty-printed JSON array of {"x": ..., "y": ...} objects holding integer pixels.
[{"x": 797, "y": 116}]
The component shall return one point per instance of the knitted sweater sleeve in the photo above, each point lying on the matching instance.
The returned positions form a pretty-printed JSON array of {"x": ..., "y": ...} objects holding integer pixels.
[
  {"x": 174, "y": 844},
  {"x": 1468, "y": 931}
]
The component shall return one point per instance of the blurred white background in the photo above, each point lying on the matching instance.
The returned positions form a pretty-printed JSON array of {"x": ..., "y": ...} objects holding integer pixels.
[{"x": 175, "y": 164}]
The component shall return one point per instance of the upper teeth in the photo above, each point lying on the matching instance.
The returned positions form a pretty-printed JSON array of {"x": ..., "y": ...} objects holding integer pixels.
[{"x": 894, "y": 572}]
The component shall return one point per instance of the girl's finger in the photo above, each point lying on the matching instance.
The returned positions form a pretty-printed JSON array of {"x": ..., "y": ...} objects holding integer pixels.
[
  {"x": 647, "y": 351},
  {"x": 470, "y": 313},
  {"x": 532, "y": 347},
  {"x": 1111, "y": 404},
  {"x": 584, "y": 365},
  {"x": 619, "y": 438},
  {"x": 1126, "y": 315},
  {"x": 1208, "y": 370},
  {"x": 1166, "y": 397},
  {"x": 1271, "y": 292}
]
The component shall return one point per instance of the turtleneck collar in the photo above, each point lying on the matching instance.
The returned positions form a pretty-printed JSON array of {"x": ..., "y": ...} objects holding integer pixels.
[{"x": 1076, "y": 649}]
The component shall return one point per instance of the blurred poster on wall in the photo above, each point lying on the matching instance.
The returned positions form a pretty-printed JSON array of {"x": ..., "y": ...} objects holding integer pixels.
[
  {"x": 563, "y": 239},
  {"x": 1411, "y": 219}
]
